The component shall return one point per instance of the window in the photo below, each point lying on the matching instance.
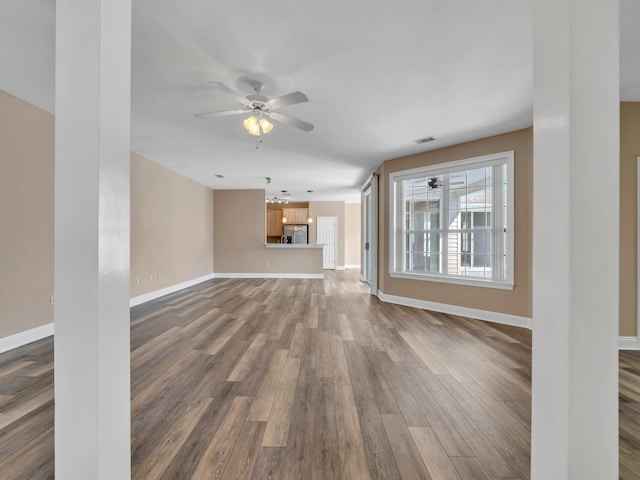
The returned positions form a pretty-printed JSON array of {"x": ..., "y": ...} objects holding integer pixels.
[{"x": 453, "y": 222}]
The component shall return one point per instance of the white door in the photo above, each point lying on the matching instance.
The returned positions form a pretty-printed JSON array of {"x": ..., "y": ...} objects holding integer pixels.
[
  {"x": 327, "y": 236},
  {"x": 366, "y": 237}
]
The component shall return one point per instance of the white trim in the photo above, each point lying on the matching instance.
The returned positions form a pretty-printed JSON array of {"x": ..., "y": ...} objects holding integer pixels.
[
  {"x": 367, "y": 183},
  {"x": 375, "y": 226},
  {"x": 23, "y": 338},
  {"x": 637, "y": 251},
  {"x": 269, "y": 275},
  {"x": 624, "y": 343},
  {"x": 496, "y": 317},
  {"x": 470, "y": 281},
  {"x": 352, "y": 266},
  {"x": 147, "y": 297},
  {"x": 628, "y": 343},
  {"x": 340, "y": 267}
]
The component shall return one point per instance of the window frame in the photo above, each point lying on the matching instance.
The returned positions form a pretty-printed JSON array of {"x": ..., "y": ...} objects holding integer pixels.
[{"x": 502, "y": 243}]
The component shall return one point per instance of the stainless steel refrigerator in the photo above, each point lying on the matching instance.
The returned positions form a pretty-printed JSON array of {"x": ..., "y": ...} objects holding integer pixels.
[{"x": 297, "y": 233}]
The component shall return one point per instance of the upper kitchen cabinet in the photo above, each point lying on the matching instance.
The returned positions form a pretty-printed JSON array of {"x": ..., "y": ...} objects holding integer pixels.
[
  {"x": 296, "y": 216},
  {"x": 302, "y": 214},
  {"x": 274, "y": 223},
  {"x": 289, "y": 214}
]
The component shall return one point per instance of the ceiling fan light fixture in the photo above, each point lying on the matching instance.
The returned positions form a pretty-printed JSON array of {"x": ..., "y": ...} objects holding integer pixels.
[
  {"x": 255, "y": 130},
  {"x": 266, "y": 126},
  {"x": 250, "y": 122}
]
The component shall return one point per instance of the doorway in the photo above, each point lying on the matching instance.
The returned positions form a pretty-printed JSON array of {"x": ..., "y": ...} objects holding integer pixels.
[{"x": 327, "y": 235}]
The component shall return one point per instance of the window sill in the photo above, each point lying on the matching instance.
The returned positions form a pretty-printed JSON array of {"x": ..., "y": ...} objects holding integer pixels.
[{"x": 453, "y": 280}]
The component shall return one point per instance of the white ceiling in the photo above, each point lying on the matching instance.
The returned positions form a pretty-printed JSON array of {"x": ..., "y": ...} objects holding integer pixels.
[{"x": 378, "y": 75}]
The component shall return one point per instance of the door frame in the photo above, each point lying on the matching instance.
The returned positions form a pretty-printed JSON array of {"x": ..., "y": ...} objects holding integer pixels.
[
  {"x": 366, "y": 235},
  {"x": 370, "y": 222}
]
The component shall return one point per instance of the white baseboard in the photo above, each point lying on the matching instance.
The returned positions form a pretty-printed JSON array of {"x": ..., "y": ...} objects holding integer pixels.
[
  {"x": 496, "y": 317},
  {"x": 268, "y": 275},
  {"x": 147, "y": 297},
  {"x": 26, "y": 337},
  {"x": 628, "y": 343},
  {"x": 352, "y": 266},
  {"x": 340, "y": 267},
  {"x": 624, "y": 343}
]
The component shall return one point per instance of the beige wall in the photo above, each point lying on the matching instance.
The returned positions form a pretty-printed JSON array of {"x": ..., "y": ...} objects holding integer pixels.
[
  {"x": 239, "y": 238},
  {"x": 352, "y": 241},
  {"x": 171, "y": 221},
  {"x": 26, "y": 215},
  {"x": 629, "y": 152},
  {"x": 329, "y": 209},
  {"x": 171, "y": 227},
  {"x": 515, "y": 302}
]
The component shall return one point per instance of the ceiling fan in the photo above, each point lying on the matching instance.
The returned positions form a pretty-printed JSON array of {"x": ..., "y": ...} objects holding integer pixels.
[
  {"x": 435, "y": 182},
  {"x": 260, "y": 107}
]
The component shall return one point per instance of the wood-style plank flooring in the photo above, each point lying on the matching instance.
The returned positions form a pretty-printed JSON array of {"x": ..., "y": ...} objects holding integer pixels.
[{"x": 307, "y": 379}]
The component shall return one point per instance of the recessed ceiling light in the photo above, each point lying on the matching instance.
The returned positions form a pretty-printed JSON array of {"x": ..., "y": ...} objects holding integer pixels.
[{"x": 425, "y": 140}]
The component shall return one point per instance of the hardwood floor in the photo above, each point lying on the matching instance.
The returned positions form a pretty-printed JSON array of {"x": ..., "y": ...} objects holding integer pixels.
[{"x": 290, "y": 379}]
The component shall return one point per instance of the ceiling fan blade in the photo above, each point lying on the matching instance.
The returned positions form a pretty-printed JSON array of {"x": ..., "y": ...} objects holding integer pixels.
[
  {"x": 231, "y": 92},
  {"x": 289, "y": 99},
  {"x": 221, "y": 113},
  {"x": 294, "y": 122}
]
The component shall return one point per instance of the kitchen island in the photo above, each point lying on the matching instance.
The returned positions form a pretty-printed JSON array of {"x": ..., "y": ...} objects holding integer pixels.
[{"x": 294, "y": 245}]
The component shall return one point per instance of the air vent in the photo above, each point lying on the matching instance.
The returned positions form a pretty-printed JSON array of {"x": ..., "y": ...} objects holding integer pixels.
[
  {"x": 219, "y": 176},
  {"x": 425, "y": 140}
]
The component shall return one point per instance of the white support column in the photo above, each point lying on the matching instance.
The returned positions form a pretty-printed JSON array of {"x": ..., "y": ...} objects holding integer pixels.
[
  {"x": 92, "y": 413},
  {"x": 575, "y": 240}
]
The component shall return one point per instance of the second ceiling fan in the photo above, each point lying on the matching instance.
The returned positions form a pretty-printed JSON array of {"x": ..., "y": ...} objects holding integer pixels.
[{"x": 262, "y": 108}]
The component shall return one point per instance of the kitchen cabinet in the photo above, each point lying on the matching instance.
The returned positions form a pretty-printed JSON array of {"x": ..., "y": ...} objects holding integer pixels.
[
  {"x": 296, "y": 216},
  {"x": 274, "y": 223},
  {"x": 302, "y": 214},
  {"x": 289, "y": 214}
]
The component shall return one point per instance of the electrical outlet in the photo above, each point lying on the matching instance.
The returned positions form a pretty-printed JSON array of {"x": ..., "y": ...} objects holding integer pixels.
[
  {"x": 268, "y": 263},
  {"x": 150, "y": 277},
  {"x": 137, "y": 280},
  {"x": 52, "y": 300}
]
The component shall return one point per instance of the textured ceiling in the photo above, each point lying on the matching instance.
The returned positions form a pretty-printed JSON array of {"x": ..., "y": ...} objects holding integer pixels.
[{"x": 378, "y": 75}]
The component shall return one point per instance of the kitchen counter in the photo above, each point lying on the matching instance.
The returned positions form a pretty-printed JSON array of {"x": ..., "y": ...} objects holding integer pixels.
[{"x": 294, "y": 245}]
